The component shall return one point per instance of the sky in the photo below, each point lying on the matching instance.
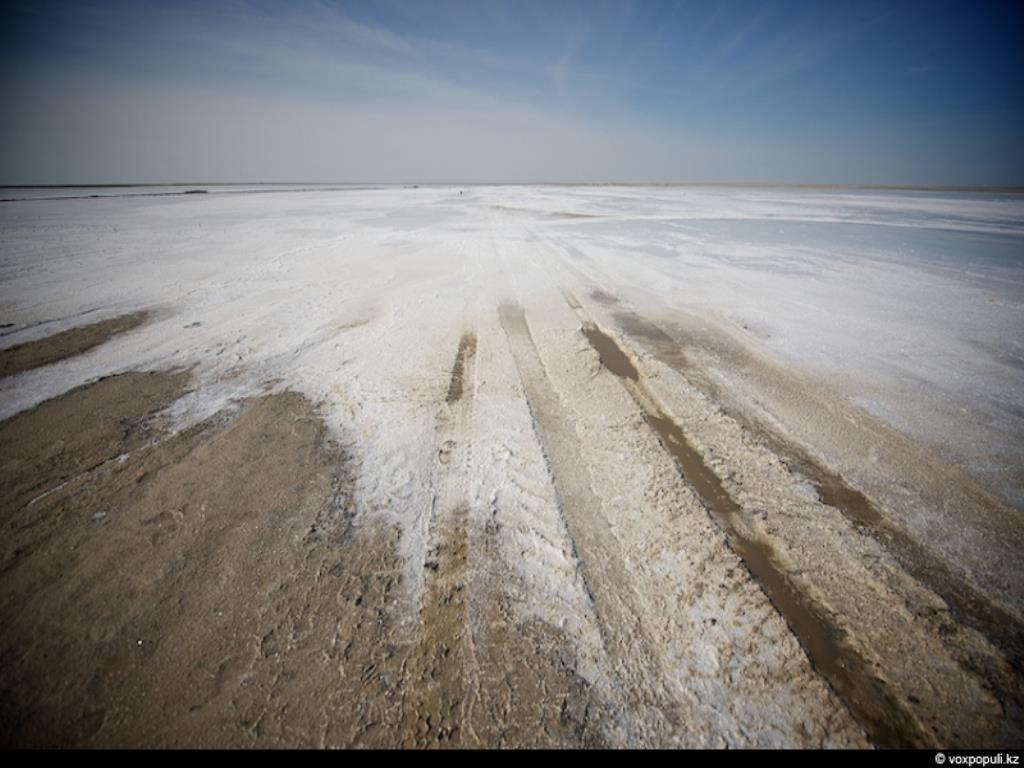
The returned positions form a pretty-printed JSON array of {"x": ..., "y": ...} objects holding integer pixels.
[{"x": 917, "y": 93}]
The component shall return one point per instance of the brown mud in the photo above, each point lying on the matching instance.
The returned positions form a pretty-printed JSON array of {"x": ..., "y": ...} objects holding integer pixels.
[
  {"x": 215, "y": 587},
  {"x": 60, "y": 346},
  {"x": 202, "y": 588}
]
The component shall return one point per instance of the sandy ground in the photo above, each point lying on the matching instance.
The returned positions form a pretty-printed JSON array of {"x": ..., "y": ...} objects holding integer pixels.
[{"x": 479, "y": 494}]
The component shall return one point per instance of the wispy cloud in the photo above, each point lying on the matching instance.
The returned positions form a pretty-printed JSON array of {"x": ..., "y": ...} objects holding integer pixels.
[{"x": 485, "y": 90}]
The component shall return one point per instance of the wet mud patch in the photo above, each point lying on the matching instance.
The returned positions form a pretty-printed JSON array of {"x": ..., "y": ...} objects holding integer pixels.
[
  {"x": 663, "y": 346},
  {"x": 467, "y": 348},
  {"x": 612, "y": 356},
  {"x": 833, "y": 491},
  {"x": 62, "y": 438},
  {"x": 530, "y": 693},
  {"x": 69, "y": 343},
  {"x": 884, "y": 720},
  {"x": 206, "y": 588}
]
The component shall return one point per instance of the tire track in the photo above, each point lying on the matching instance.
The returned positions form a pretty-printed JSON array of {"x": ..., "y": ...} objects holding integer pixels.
[
  {"x": 971, "y": 687},
  {"x": 478, "y": 675},
  {"x": 877, "y": 710},
  {"x": 692, "y": 603},
  {"x": 660, "y": 716},
  {"x": 942, "y": 651},
  {"x": 969, "y": 605},
  {"x": 467, "y": 349},
  {"x": 436, "y": 701},
  {"x": 542, "y": 680}
]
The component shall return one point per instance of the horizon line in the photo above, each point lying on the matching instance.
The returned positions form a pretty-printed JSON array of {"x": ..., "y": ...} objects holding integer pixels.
[{"x": 456, "y": 183}]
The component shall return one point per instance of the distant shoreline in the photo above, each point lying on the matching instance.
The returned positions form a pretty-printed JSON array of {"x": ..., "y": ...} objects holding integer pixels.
[
  {"x": 178, "y": 189},
  {"x": 728, "y": 184}
]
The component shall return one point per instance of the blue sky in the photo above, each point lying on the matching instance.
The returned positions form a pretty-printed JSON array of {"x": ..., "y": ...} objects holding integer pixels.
[{"x": 315, "y": 90}]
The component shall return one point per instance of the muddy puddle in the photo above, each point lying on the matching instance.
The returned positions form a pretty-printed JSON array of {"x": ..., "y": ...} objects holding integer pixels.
[
  {"x": 612, "y": 357},
  {"x": 60, "y": 346},
  {"x": 883, "y": 719}
]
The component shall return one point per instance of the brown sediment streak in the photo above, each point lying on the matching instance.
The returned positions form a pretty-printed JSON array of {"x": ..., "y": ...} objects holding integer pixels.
[
  {"x": 966, "y": 603},
  {"x": 883, "y": 719},
  {"x": 467, "y": 348},
  {"x": 60, "y": 346},
  {"x": 612, "y": 357}
]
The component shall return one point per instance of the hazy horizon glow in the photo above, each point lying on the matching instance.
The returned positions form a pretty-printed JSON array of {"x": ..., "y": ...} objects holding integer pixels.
[{"x": 887, "y": 93}]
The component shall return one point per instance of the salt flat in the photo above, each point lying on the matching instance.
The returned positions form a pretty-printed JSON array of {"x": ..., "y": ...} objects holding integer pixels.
[{"x": 572, "y": 465}]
